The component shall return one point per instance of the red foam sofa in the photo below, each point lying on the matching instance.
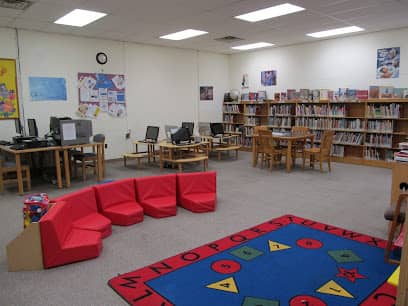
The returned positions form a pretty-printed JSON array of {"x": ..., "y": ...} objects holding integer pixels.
[
  {"x": 62, "y": 242},
  {"x": 197, "y": 191},
  {"x": 117, "y": 202},
  {"x": 157, "y": 195},
  {"x": 85, "y": 213}
]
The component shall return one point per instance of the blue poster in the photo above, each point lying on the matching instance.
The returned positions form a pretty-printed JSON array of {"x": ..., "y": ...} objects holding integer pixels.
[{"x": 47, "y": 89}]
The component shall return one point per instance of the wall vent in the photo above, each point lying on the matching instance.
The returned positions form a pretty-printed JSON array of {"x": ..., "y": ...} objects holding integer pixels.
[
  {"x": 15, "y": 4},
  {"x": 228, "y": 39}
]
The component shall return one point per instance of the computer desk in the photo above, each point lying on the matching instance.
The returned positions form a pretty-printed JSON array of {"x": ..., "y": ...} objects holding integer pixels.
[{"x": 57, "y": 149}]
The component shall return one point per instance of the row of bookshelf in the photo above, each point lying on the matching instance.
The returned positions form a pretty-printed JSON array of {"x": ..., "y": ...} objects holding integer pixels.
[{"x": 384, "y": 111}]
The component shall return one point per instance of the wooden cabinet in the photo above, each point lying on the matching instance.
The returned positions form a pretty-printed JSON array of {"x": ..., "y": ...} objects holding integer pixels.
[{"x": 366, "y": 132}]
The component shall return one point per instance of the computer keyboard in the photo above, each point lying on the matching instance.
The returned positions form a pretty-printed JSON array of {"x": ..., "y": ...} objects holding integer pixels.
[{"x": 5, "y": 142}]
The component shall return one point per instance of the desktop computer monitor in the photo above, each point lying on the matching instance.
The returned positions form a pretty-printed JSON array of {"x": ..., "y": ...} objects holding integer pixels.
[
  {"x": 19, "y": 128},
  {"x": 32, "y": 128},
  {"x": 181, "y": 136},
  {"x": 170, "y": 129},
  {"x": 76, "y": 131},
  {"x": 217, "y": 129},
  {"x": 189, "y": 126},
  {"x": 152, "y": 133}
]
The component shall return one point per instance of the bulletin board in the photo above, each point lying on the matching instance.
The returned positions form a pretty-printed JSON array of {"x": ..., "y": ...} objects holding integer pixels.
[
  {"x": 101, "y": 93},
  {"x": 8, "y": 89}
]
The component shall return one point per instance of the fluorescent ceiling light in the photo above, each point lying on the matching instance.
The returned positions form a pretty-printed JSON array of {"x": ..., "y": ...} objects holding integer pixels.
[
  {"x": 253, "y": 46},
  {"x": 333, "y": 32},
  {"x": 183, "y": 34},
  {"x": 80, "y": 18},
  {"x": 270, "y": 12}
]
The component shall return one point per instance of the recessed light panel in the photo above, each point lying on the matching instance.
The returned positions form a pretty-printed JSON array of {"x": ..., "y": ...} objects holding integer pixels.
[
  {"x": 79, "y": 18},
  {"x": 252, "y": 46},
  {"x": 183, "y": 34},
  {"x": 334, "y": 32},
  {"x": 270, "y": 12}
]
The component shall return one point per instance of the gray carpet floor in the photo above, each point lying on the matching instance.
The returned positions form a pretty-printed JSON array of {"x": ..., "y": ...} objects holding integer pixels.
[{"x": 352, "y": 197}]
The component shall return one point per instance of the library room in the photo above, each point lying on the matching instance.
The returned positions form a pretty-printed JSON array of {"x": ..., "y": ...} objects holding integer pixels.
[{"x": 161, "y": 152}]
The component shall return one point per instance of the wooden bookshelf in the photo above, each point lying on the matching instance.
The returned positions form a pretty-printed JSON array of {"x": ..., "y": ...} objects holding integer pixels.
[{"x": 367, "y": 131}]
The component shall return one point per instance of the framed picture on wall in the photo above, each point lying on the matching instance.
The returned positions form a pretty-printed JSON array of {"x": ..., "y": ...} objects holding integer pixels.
[
  {"x": 268, "y": 78},
  {"x": 388, "y": 63},
  {"x": 206, "y": 93},
  {"x": 8, "y": 89}
]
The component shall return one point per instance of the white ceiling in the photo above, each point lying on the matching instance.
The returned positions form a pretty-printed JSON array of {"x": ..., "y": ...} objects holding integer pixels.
[{"x": 143, "y": 21}]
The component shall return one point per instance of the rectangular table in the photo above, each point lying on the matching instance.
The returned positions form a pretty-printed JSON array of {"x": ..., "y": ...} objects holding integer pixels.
[
  {"x": 57, "y": 149},
  {"x": 289, "y": 138}
]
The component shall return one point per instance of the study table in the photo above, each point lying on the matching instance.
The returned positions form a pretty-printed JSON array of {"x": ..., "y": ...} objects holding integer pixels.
[
  {"x": 288, "y": 138},
  {"x": 223, "y": 143},
  {"x": 56, "y": 149},
  {"x": 182, "y": 154}
]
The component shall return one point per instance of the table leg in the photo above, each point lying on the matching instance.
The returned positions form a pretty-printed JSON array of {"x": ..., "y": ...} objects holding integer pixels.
[
  {"x": 58, "y": 168},
  {"x": 67, "y": 169},
  {"x": 289, "y": 156},
  {"x": 19, "y": 175},
  {"x": 254, "y": 152},
  {"x": 99, "y": 157},
  {"x": 161, "y": 158}
]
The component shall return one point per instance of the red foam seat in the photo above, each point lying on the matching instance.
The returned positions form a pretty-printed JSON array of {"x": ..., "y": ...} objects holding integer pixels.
[
  {"x": 84, "y": 211},
  {"x": 157, "y": 195},
  {"x": 61, "y": 242},
  {"x": 197, "y": 191},
  {"x": 117, "y": 201}
]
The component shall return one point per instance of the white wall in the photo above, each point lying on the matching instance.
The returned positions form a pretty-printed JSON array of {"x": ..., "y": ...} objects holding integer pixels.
[
  {"x": 162, "y": 84},
  {"x": 343, "y": 62}
]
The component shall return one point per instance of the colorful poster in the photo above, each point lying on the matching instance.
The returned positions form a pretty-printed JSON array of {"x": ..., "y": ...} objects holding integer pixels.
[
  {"x": 388, "y": 63},
  {"x": 8, "y": 89},
  {"x": 268, "y": 78},
  {"x": 101, "y": 93},
  {"x": 47, "y": 89},
  {"x": 206, "y": 93}
]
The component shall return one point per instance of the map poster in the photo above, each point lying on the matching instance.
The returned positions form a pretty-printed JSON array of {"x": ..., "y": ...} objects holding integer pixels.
[
  {"x": 101, "y": 93},
  {"x": 8, "y": 89}
]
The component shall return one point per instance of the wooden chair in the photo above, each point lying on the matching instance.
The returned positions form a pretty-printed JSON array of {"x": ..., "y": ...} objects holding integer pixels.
[
  {"x": 298, "y": 146},
  {"x": 259, "y": 150},
  {"x": 270, "y": 150},
  {"x": 323, "y": 152},
  {"x": 395, "y": 224},
  {"x": 6, "y": 169},
  {"x": 86, "y": 160}
]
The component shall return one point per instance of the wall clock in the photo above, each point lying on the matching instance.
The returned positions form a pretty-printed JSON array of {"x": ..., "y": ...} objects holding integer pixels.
[{"x": 101, "y": 58}]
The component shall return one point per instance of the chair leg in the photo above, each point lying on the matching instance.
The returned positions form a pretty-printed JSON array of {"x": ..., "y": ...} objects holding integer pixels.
[
  {"x": 83, "y": 171},
  {"x": 303, "y": 161},
  {"x": 321, "y": 164},
  {"x": 329, "y": 163}
]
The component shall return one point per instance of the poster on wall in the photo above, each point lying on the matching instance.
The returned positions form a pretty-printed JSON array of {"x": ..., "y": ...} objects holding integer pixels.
[
  {"x": 388, "y": 63},
  {"x": 101, "y": 93},
  {"x": 206, "y": 93},
  {"x": 268, "y": 78},
  {"x": 8, "y": 89},
  {"x": 47, "y": 89},
  {"x": 244, "y": 82}
]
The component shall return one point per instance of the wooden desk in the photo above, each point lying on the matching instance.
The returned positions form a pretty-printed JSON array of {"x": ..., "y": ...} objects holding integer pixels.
[
  {"x": 289, "y": 139},
  {"x": 17, "y": 154},
  {"x": 182, "y": 154}
]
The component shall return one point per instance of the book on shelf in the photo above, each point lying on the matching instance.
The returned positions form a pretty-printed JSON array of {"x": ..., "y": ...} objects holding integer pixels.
[
  {"x": 261, "y": 95},
  {"x": 374, "y": 92},
  {"x": 253, "y": 96},
  {"x": 351, "y": 95},
  {"x": 403, "y": 145},
  {"x": 362, "y": 94},
  {"x": 342, "y": 94},
  {"x": 330, "y": 95},
  {"x": 386, "y": 92},
  {"x": 316, "y": 95},
  {"x": 277, "y": 96},
  {"x": 405, "y": 94},
  {"x": 244, "y": 96},
  {"x": 324, "y": 95},
  {"x": 283, "y": 97},
  {"x": 290, "y": 94},
  {"x": 398, "y": 93},
  {"x": 304, "y": 95}
]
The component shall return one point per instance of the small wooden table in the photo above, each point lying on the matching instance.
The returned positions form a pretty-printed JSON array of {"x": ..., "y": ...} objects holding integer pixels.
[
  {"x": 290, "y": 139},
  {"x": 225, "y": 143},
  {"x": 182, "y": 154}
]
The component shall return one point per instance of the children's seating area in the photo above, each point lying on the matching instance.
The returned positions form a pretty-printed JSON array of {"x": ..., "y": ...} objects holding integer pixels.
[{"x": 73, "y": 229}]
